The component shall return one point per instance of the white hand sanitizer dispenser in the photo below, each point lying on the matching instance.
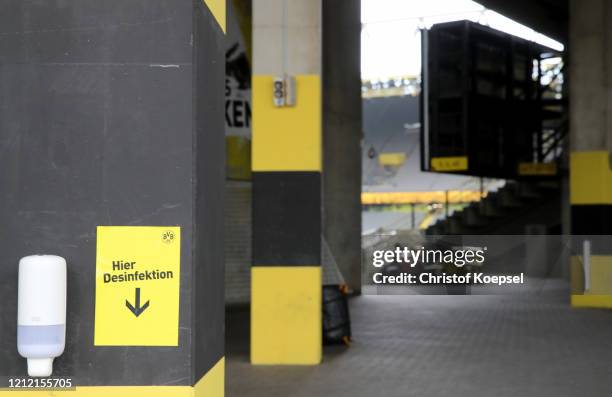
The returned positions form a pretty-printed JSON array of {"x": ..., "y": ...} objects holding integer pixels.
[{"x": 41, "y": 311}]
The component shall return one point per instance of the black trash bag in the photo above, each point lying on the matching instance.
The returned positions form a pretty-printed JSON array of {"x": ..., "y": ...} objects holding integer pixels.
[{"x": 336, "y": 320}]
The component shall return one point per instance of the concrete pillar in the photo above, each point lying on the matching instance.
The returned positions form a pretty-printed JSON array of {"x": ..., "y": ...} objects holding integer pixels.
[
  {"x": 287, "y": 163},
  {"x": 591, "y": 141},
  {"x": 342, "y": 133},
  {"x": 112, "y": 114}
]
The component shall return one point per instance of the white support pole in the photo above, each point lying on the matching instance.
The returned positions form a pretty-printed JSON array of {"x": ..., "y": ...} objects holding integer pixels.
[{"x": 586, "y": 264}]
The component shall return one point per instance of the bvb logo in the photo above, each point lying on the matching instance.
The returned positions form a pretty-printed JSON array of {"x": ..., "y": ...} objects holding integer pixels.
[{"x": 168, "y": 236}]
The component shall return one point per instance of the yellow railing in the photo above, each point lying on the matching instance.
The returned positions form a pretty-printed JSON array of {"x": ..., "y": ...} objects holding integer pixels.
[{"x": 454, "y": 197}]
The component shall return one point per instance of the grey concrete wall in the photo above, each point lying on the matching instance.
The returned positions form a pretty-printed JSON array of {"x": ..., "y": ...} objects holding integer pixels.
[
  {"x": 208, "y": 302},
  {"x": 97, "y": 129},
  {"x": 293, "y": 47},
  {"x": 342, "y": 132}
]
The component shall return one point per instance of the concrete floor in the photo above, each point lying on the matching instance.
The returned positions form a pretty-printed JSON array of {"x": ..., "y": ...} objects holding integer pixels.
[{"x": 528, "y": 345}]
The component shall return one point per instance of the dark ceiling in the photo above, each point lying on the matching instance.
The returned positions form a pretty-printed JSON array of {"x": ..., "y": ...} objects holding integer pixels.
[{"x": 549, "y": 17}]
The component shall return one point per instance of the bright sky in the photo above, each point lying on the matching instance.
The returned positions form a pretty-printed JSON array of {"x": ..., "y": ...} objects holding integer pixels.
[{"x": 390, "y": 39}]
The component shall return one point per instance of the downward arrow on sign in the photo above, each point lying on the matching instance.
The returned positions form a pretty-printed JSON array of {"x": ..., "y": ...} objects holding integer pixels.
[{"x": 138, "y": 309}]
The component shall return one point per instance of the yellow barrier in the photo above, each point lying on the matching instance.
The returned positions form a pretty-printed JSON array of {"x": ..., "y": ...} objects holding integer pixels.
[{"x": 454, "y": 197}]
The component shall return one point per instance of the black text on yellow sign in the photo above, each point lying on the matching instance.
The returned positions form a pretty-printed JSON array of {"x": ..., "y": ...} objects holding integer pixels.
[
  {"x": 449, "y": 164},
  {"x": 137, "y": 286},
  {"x": 537, "y": 169}
]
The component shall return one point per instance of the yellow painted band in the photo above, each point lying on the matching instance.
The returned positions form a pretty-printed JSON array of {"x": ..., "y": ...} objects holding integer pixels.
[
  {"x": 600, "y": 293},
  {"x": 592, "y": 301},
  {"x": 454, "y": 196},
  {"x": 212, "y": 384},
  {"x": 600, "y": 275},
  {"x": 286, "y": 324},
  {"x": 219, "y": 10},
  {"x": 590, "y": 178},
  {"x": 287, "y": 138}
]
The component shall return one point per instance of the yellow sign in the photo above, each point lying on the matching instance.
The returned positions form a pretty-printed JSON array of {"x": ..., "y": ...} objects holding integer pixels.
[
  {"x": 392, "y": 159},
  {"x": 537, "y": 169},
  {"x": 137, "y": 286},
  {"x": 449, "y": 163}
]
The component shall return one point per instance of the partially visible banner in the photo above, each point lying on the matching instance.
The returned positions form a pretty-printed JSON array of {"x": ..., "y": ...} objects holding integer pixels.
[{"x": 238, "y": 90}]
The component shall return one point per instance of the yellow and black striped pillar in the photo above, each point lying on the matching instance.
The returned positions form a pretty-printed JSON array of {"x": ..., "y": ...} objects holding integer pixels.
[
  {"x": 590, "y": 172},
  {"x": 591, "y": 209},
  {"x": 287, "y": 161}
]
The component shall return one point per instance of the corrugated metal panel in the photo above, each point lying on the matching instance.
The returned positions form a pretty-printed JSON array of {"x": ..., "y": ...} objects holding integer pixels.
[{"x": 238, "y": 225}]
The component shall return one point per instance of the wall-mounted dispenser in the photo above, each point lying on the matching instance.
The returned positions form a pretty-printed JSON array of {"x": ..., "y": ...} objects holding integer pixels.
[{"x": 41, "y": 311}]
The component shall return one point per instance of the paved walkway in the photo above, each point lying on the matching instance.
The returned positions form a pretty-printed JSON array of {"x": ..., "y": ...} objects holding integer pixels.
[{"x": 472, "y": 346}]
